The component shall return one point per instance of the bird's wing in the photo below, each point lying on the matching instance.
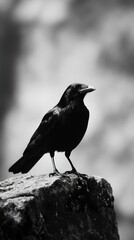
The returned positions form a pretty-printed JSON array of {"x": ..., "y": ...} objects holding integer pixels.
[{"x": 47, "y": 124}]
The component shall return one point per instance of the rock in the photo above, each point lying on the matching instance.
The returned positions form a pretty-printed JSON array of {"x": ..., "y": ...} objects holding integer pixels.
[{"x": 57, "y": 208}]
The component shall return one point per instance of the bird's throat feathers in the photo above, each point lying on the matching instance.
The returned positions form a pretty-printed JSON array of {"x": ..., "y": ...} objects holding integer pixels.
[{"x": 73, "y": 103}]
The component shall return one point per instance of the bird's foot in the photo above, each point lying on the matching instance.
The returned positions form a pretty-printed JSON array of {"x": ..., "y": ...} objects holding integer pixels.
[
  {"x": 55, "y": 173},
  {"x": 74, "y": 171}
]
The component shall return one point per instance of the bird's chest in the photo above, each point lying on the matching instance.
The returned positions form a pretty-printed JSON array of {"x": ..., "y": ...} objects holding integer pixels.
[
  {"x": 76, "y": 122},
  {"x": 72, "y": 128}
]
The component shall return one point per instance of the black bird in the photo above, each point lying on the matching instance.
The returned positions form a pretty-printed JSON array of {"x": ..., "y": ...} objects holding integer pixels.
[{"x": 61, "y": 129}]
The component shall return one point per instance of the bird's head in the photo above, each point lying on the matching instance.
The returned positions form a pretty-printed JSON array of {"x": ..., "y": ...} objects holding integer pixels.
[{"x": 75, "y": 92}]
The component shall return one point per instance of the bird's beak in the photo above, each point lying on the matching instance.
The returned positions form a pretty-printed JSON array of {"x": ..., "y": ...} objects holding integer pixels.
[{"x": 87, "y": 89}]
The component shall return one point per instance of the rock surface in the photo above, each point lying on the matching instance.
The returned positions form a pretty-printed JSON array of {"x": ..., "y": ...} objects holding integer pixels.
[{"x": 54, "y": 208}]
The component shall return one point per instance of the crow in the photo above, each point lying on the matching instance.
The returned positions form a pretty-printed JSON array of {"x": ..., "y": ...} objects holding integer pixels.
[{"x": 61, "y": 129}]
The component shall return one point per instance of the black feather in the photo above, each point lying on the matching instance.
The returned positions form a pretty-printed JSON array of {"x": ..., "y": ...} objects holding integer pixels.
[
  {"x": 25, "y": 163},
  {"x": 61, "y": 129}
]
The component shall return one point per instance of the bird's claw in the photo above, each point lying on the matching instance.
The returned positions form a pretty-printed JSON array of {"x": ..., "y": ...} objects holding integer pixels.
[
  {"x": 55, "y": 173},
  {"x": 74, "y": 171},
  {"x": 63, "y": 175}
]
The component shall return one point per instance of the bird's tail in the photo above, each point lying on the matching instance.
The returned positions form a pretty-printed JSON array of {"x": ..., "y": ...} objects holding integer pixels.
[{"x": 25, "y": 163}]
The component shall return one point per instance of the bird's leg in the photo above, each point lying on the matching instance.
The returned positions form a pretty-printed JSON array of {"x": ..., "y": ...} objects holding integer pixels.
[
  {"x": 67, "y": 154},
  {"x": 55, "y": 171}
]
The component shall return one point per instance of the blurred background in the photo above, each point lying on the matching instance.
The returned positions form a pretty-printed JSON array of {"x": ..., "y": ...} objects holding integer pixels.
[{"x": 46, "y": 45}]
